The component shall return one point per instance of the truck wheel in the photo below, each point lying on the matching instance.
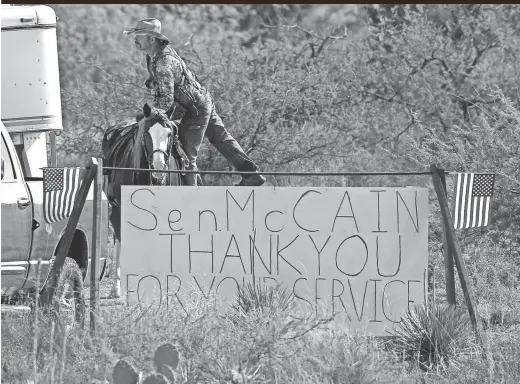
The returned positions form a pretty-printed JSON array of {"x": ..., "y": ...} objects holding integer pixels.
[{"x": 68, "y": 299}]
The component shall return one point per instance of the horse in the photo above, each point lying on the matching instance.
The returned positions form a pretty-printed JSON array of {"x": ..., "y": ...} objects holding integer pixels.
[{"x": 149, "y": 142}]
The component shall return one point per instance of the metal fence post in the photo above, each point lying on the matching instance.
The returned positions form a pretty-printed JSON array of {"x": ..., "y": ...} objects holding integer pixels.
[{"x": 96, "y": 247}]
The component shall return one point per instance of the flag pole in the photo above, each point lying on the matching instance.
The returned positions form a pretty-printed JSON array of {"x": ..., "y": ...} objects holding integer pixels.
[
  {"x": 68, "y": 235},
  {"x": 96, "y": 247},
  {"x": 448, "y": 252},
  {"x": 457, "y": 253}
]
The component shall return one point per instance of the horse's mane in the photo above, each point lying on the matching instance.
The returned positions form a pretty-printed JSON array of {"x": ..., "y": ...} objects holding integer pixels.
[
  {"x": 116, "y": 141},
  {"x": 138, "y": 142}
]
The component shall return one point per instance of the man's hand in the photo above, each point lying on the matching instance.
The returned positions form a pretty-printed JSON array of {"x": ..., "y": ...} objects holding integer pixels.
[
  {"x": 176, "y": 112},
  {"x": 150, "y": 83}
]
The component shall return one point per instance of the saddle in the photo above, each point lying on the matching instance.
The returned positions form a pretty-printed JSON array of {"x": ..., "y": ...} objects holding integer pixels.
[{"x": 116, "y": 140}]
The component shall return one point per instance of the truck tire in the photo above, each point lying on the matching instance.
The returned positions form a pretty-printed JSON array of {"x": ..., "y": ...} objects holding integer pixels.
[{"x": 68, "y": 298}]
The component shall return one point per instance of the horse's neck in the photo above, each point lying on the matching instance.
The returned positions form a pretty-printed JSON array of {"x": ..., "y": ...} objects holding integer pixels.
[
  {"x": 124, "y": 158},
  {"x": 141, "y": 177}
]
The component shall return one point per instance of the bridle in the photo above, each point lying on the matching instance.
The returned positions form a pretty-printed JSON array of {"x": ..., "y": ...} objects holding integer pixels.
[
  {"x": 149, "y": 156},
  {"x": 167, "y": 153}
]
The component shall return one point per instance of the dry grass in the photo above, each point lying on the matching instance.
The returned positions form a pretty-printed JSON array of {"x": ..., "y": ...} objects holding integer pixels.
[
  {"x": 219, "y": 349},
  {"x": 259, "y": 342}
]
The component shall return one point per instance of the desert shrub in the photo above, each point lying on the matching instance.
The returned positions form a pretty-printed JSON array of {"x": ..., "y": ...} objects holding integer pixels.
[
  {"x": 55, "y": 354},
  {"x": 406, "y": 86},
  {"x": 213, "y": 349},
  {"x": 437, "y": 337},
  {"x": 263, "y": 299}
]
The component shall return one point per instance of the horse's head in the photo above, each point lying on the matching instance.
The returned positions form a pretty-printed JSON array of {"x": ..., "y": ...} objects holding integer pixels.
[{"x": 156, "y": 132}]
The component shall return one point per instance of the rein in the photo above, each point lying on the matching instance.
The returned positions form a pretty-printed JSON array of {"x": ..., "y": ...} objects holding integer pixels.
[
  {"x": 149, "y": 157},
  {"x": 119, "y": 142}
]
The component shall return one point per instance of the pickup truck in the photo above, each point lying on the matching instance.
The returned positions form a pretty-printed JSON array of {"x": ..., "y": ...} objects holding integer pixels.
[
  {"x": 28, "y": 241},
  {"x": 31, "y": 113}
]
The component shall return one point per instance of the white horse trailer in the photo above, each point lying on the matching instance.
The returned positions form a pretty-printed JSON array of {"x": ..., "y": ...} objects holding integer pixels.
[{"x": 31, "y": 101}]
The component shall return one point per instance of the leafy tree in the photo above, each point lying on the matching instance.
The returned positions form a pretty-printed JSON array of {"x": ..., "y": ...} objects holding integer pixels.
[{"x": 320, "y": 87}]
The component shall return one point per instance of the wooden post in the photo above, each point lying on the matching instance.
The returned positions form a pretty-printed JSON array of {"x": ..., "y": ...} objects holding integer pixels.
[
  {"x": 448, "y": 252},
  {"x": 66, "y": 240},
  {"x": 96, "y": 247},
  {"x": 461, "y": 268},
  {"x": 52, "y": 144}
]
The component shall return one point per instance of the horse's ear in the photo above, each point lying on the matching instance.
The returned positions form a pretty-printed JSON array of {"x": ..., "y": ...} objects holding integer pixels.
[{"x": 147, "y": 110}]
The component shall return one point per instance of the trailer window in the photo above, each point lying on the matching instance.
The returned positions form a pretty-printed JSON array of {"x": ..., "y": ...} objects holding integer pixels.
[{"x": 7, "y": 164}]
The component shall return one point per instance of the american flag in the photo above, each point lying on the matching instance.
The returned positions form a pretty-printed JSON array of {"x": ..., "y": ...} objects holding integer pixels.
[
  {"x": 472, "y": 199},
  {"x": 60, "y": 186}
]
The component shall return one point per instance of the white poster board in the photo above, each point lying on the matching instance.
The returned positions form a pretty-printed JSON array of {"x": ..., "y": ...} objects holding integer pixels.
[{"x": 361, "y": 253}]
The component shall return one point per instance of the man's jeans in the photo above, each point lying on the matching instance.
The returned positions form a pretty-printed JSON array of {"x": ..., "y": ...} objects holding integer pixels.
[{"x": 206, "y": 122}]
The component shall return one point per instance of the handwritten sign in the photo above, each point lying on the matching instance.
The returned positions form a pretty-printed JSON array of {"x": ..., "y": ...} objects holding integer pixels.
[{"x": 361, "y": 253}]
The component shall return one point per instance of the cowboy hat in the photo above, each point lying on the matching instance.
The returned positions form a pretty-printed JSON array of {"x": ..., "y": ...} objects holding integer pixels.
[{"x": 148, "y": 26}]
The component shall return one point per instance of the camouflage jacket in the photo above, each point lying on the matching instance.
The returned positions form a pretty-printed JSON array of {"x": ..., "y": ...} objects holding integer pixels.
[{"x": 173, "y": 83}]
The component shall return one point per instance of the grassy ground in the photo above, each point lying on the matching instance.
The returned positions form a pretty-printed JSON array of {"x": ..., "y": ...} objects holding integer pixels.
[{"x": 262, "y": 344}]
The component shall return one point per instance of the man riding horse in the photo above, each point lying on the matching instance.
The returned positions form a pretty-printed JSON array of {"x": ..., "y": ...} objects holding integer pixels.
[{"x": 177, "y": 90}]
